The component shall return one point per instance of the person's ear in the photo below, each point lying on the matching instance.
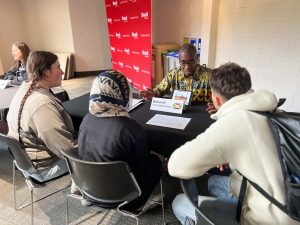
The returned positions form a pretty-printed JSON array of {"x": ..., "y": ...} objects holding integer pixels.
[
  {"x": 46, "y": 73},
  {"x": 218, "y": 101}
]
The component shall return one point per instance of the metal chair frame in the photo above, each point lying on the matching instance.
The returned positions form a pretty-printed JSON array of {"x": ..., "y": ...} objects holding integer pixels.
[
  {"x": 190, "y": 189},
  {"x": 23, "y": 163},
  {"x": 119, "y": 168}
]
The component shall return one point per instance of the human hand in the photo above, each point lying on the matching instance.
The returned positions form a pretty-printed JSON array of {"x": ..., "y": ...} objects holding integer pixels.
[
  {"x": 211, "y": 108},
  {"x": 223, "y": 167},
  {"x": 147, "y": 94}
]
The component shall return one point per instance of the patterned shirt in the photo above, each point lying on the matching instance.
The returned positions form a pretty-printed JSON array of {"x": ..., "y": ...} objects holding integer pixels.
[{"x": 198, "y": 84}]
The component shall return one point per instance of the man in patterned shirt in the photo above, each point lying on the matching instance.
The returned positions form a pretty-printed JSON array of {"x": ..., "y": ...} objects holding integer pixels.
[{"x": 189, "y": 76}]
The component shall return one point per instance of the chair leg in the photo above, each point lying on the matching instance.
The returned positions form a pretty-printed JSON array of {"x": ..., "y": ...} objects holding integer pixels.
[
  {"x": 80, "y": 198},
  {"x": 14, "y": 184},
  {"x": 162, "y": 202},
  {"x": 15, "y": 196},
  {"x": 67, "y": 209},
  {"x": 31, "y": 193}
]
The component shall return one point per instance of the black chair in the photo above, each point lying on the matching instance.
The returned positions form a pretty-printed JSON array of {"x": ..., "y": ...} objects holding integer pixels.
[
  {"x": 190, "y": 189},
  {"x": 106, "y": 184},
  {"x": 23, "y": 163}
]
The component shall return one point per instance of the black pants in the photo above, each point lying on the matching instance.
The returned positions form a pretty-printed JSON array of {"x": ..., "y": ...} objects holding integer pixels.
[{"x": 147, "y": 181}]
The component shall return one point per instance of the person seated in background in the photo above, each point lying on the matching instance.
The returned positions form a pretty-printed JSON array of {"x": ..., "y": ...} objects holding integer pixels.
[
  {"x": 38, "y": 120},
  {"x": 242, "y": 139},
  {"x": 189, "y": 76},
  {"x": 107, "y": 133},
  {"x": 17, "y": 73}
]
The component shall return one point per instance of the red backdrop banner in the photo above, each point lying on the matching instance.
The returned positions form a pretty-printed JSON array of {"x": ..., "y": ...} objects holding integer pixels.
[{"x": 129, "y": 26}]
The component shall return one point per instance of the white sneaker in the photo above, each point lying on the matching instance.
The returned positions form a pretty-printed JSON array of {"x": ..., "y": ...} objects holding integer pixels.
[
  {"x": 85, "y": 202},
  {"x": 75, "y": 189},
  {"x": 153, "y": 201}
]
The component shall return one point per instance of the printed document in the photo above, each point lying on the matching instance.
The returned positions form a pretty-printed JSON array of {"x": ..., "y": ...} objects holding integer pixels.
[
  {"x": 136, "y": 103},
  {"x": 5, "y": 84},
  {"x": 175, "y": 122}
]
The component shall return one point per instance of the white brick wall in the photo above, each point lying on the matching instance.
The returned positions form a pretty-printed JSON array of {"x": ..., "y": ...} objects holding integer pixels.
[{"x": 263, "y": 36}]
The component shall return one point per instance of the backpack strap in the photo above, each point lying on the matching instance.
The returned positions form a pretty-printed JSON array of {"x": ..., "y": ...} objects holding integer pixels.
[
  {"x": 280, "y": 102},
  {"x": 259, "y": 189},
  {"x": 266, "y": 195},
  {"x": 241, "y": 200}
]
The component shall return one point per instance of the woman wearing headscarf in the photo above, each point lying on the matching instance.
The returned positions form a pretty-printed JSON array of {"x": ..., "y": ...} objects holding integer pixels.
[{"x": 107, "y": 133}]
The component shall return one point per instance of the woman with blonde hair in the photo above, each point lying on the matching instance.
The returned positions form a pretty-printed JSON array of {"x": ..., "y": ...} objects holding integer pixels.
[
  {"x": 38, "y": 120},
  {"x": 17, "y": 72}
]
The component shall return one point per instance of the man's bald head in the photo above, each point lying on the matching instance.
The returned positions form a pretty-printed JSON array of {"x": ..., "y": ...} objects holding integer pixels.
[
  {"x": 188, "y": 49},
  {"x": 188, "y": 59}
]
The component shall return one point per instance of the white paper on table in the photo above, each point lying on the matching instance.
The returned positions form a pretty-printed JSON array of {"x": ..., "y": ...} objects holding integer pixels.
[
  {"x": 5, "y": 84},
  {"x": 135, "y": 103},
  {"x": 175, "y": 122}
]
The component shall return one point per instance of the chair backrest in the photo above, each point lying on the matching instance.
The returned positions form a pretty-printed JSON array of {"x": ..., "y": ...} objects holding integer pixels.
[
  {"x": 22, "y": 160},
  {"x": 104, "y": 182}
]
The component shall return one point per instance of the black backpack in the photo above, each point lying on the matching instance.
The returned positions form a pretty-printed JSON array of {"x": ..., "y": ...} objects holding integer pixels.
[{"x": 285, "y": 127}]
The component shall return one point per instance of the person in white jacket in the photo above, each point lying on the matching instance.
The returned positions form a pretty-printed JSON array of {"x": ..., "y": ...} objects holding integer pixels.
[{"x": 242, "y": 139}]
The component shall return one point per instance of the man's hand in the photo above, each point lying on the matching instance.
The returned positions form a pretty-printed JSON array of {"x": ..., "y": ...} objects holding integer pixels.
[
  {"x": 223, "y": 167},
  {"x": 211, "y": 108},
  {"x": 147, "y": 94}
]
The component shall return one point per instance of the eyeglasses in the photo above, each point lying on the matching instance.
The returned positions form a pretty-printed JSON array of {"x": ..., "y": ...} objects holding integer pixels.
[{"x": 190, "y": 62}]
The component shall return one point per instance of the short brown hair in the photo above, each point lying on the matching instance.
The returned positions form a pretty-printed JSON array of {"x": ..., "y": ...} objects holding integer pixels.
[{"x": 230, "y": 80}]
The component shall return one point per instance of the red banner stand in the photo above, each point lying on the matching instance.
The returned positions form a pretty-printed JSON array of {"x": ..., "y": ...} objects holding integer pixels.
[{"x": 129, "y": 26}]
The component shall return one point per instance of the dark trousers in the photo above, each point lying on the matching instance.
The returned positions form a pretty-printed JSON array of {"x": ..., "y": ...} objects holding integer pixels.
[{"x": 147, "y": 181}]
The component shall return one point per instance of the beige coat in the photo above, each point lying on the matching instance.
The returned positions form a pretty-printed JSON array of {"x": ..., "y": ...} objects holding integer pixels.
[
  {"x": 47, "y": 126},
  {"x": 244, "y": 140}
]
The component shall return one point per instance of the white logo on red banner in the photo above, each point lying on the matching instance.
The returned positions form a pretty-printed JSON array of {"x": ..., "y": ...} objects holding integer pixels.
[
  {"x": 127, "y": 51},
  {"x": 134, "y": 35},
  {"x": 115, "y": 3},
  {"x": 144, "y": 15},
  {"x": 145, "y": 35},
  {"x": 145, "y": 53},
  {"x": 121, "y": 64},
  {"x": 118, "y": 35},
  {"x": 136, "y": 68},
  {"x": 113, "y": 49},
  {"x": 109, "y": 20},
  {"x": 133, "y": 17},
  {"x": 145, "y": 71},
  {"x": 124, "y": 19}
]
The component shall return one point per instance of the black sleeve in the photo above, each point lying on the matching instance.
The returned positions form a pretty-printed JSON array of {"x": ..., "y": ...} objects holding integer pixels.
[
  {"x": 141, "y": 147},
  {"x": 10, "y": 75}
]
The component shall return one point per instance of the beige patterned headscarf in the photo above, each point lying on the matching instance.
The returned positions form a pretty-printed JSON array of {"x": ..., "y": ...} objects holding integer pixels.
[{"x": 110, "y": 95}]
